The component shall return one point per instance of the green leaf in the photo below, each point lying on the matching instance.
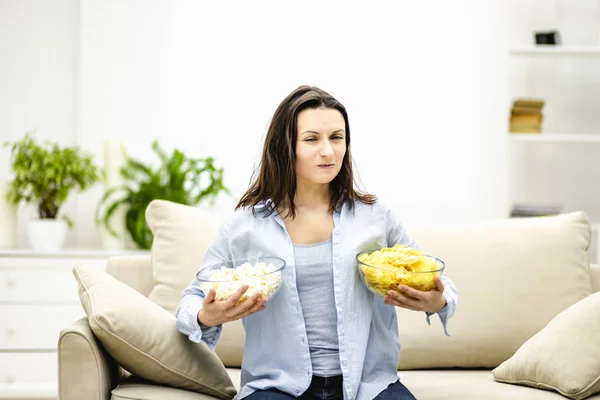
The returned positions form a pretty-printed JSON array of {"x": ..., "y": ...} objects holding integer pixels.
[
  {"x": 68, "y": 220},
  {"x": 119, "y": 190},
  {"x": 177, "y": 178},
  {"x": 109, "y": 212}
]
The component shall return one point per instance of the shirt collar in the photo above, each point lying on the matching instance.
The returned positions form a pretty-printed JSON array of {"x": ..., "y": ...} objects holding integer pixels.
[{"x": 263, "y": 205}]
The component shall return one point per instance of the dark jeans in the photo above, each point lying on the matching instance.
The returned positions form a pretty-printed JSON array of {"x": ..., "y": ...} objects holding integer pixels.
[{"x": 331, "y": 389}]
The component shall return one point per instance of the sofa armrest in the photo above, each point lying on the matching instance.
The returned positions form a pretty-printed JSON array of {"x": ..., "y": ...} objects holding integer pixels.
[
  {"x": 134, "y": 271},
  {"x": 595, "y": 273},
  {"x": 85, "y": 370}
]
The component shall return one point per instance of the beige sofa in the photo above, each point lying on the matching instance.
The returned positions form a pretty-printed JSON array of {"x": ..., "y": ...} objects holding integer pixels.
[{"x": 513, "y": 277}]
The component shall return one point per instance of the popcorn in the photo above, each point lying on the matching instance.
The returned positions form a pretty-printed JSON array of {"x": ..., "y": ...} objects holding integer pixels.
[{"x": 260, "y": 278}]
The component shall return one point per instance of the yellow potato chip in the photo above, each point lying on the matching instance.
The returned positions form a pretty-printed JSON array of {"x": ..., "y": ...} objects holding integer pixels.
[{"x": 386, "y": 269}]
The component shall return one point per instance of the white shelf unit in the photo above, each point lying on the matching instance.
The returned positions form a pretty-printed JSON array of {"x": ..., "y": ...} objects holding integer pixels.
[
  {"x": 533, "y": 50},
  {"x": 38, "y": 298},
  {"x": 555, "y": 137},
  {"x": 70, "y": 253},
  {"x": 40, "y": 391},
  {"x": 554, "y": 147}
]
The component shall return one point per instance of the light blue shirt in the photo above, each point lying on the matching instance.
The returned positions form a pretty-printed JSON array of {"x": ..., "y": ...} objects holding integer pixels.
[{"x": 276, "y": 352}]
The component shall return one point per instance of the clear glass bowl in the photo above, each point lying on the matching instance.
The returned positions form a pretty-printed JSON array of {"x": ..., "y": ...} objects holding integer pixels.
[
  {"x": 380, "y": 280},
  {"x": 261, "y": 274}
]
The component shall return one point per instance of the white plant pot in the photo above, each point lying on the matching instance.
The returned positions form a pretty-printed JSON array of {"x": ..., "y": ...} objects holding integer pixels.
[{"x": 47, "y": 235}]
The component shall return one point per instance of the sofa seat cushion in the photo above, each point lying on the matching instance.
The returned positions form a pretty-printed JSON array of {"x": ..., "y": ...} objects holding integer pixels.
[
  {"x": 469, "y": 385},
  {"x": 236, "y": 377},
  {"x": 134, "y": 388},
  {"x": 424, "y": 384},
  {"x": 139, "y": 389}
]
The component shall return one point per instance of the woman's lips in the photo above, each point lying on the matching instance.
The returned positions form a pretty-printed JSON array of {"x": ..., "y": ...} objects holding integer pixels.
[{"x": 326, "y": 166}]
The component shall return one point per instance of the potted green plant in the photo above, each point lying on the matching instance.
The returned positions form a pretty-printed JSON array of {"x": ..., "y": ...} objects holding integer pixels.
[
  {"x": 45, "y": 175},
  {"x": 177, "y": 178}
]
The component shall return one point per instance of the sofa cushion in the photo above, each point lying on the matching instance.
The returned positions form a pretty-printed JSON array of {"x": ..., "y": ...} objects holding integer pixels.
[
  {"x": 595, "y": 272},
  {"x": 134, "y": 388},
  {"x": 182, "y": 235},
  {"x": 468, "y": 385},
  {"x": 564, "y": 356},
  {"x": 425, "y": 385},
  {"x": 513, "y": 276},
  {"x": 142, "y": 338}
]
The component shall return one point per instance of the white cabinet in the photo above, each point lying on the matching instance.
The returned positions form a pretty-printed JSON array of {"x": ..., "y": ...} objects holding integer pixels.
[
  {"x": 38, "y": 298},
  {"x": 35, "y": 326}
]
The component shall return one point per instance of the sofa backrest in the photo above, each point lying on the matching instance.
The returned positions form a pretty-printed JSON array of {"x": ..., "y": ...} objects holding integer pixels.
[
  {"x": 136, "y": 271},
  {"x": 513, "y": 277},
  {"x": 595, "y": 275},
  {"x": 182, "y": 235}
]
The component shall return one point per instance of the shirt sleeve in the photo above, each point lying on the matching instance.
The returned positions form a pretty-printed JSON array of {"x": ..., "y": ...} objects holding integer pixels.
[
  {"x": 187, "y": 317},
  {"x": 397, "y": 234},
  {"x": 192, "y": 299},
  {"x": 451, "y": 296}
]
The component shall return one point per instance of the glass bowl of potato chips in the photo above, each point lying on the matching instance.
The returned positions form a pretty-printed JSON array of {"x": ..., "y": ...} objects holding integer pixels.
[{"x": 387, "y": 268}]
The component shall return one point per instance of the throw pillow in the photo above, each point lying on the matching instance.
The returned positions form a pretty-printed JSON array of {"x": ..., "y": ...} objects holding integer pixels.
[
  {"x": 141, "y": 336},
  {"x": 182, "y": 235},
  {"x": 564, "y": 356}
]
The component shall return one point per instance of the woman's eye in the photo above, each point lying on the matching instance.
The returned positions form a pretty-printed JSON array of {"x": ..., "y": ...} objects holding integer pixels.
[
  {"x": 310, "y": 140},
  {"x": 337, "y": 137}
]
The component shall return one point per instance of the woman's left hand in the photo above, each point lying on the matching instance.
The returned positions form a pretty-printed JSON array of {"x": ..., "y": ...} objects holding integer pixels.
[{"x": 416, "y": 300}]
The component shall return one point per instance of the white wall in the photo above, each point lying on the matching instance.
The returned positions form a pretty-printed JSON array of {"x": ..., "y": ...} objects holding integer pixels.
[
  {"x": 207, "y": 76},
  {"x": 427, "y": 86},
  {"x": 39, "y": 65},
  {"x": 121, "y": 87}
]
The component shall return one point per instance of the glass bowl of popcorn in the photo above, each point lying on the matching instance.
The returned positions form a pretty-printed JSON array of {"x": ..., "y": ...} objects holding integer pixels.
[
  {"x": 261, "y": 274},
  {"x": 387, "y": 268}
]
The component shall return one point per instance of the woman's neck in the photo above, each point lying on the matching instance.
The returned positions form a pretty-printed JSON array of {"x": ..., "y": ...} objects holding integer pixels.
[{"x": 311, "y": 196}]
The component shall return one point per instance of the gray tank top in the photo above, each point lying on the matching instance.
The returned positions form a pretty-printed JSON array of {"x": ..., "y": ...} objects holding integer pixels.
[{"x": 314, "y": 279}]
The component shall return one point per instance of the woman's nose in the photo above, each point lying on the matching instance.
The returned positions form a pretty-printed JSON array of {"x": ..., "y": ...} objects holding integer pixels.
[{"x": 326, "y": 149}]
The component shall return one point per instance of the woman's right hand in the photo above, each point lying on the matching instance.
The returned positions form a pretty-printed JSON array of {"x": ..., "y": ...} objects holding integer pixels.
[{"x": 217, "y": 312}]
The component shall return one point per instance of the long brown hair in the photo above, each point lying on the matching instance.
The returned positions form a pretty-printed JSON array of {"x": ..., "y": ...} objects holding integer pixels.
[{"x": 276, "y": 177}]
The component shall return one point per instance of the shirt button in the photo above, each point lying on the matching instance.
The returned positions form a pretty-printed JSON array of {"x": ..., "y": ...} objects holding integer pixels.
[
  {"x": 297, "y": 391},
  {"x": 308, "y": 373}
]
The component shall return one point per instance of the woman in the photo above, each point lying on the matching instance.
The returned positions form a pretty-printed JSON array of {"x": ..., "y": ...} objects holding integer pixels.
[{"x": 324, "y": 336}]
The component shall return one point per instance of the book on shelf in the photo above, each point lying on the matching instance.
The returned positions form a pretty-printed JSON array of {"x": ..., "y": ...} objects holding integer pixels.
[
  {"x": 526, "y": 116},
  {"x": 526, "y": 128},
  {"x": 537, "y": 104},
  {"x": 526, "y": 210},
  {"x": 526, "y": 119}
]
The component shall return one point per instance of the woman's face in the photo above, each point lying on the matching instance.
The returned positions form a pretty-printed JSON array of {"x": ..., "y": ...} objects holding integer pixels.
[{"x": 321, "y": 145}]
